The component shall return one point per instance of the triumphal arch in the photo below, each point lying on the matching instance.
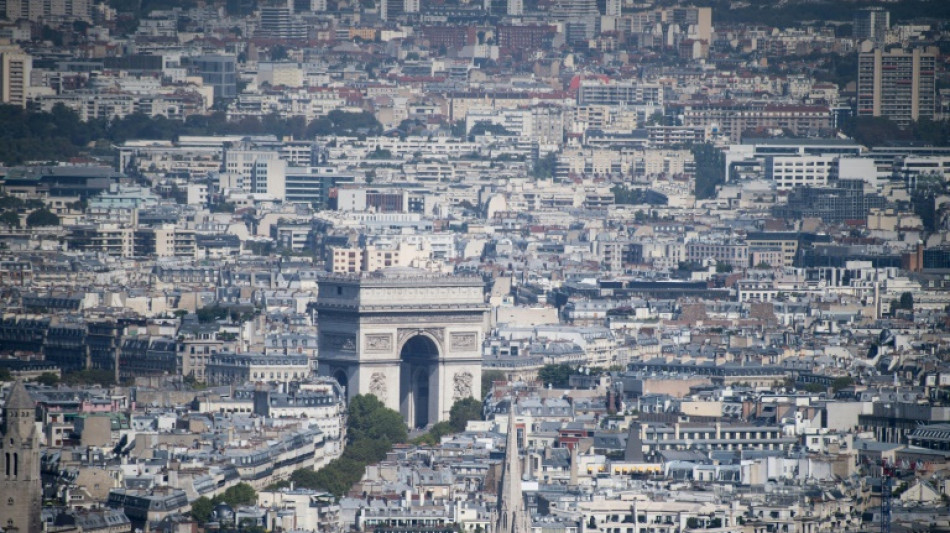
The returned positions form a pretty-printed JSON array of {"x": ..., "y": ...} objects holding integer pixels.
[{"x": 411, "y": 338}]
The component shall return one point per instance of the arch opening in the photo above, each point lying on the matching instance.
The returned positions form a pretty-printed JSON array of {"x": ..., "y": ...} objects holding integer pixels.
[
  {"x": 418, "y": 367},
  {"x": 341, "y": 378}
]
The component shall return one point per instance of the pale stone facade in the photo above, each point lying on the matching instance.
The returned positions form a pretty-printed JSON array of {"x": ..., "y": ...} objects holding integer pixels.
[
  {"x": 412, "y": 340},
  {"x": 20, "y": 491}
]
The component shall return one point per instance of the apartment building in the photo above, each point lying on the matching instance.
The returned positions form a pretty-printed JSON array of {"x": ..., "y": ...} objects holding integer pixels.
[
  {"x": 871, "y": 24},
  {"x": 898, "y": 84},
  {"x": 733, "y": 119},
  {"x": 228, "y": 368},
  {"x": 15, "y": 68}
]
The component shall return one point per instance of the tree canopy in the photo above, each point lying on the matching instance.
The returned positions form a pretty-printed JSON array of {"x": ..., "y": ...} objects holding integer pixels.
[
  {"x": 372, "y": 429},
  {"x": 10, "y": 218},
  {"x": 42, "y": 217},
  {"x": 710, "y": 170},
  {"x": 370, "y": 419},
  {"x": 236, "y": 496},
  {"x": 201, "y": 509},
  {"x": 488, "y": 378},
  {"x": 27, "y": 135},
  {"x": 240, "y": 494},
  {"x": 47, "y": 378},
  {"x": 557, "y": 376},
  {"x": 462, "y": 411},
  {"x": 545, "y": 167}
]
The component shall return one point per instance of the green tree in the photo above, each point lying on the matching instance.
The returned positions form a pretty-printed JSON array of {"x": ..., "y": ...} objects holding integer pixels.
[
  {"x": 47, "y": 378},
  {"x": 367, "y": 450},
  {"x": 434, "y": 435},
  {"x": 223, "y": 207},
  {"x": 370, "y": 419},
  {"x": 201, "y": 509},
  {"x": 240, "y": 494},
  {"x": 723, "y": 268},
  {"x": 489, "y": 377},
  {"x": 211, "y": 313},
  {"x": 906, "y": 301},
  {"x": 304, "y": 478},
  {"x": 93, "y": 376},
  {"x": 10, "y": 218},
  {"x": 710, "y": 170},
  {"x": 379, "y": 153},
  {"x": 372, "y": 428},
  {"x": 462, "y": 411},
  {"x": 875, "y": 131},
  {"x": 5, "y": 374},
  {"x": 42, "y": 217},
  {"x": 557, "y": 376},
  {"x": 545, "y": 167},
  {"x": 841, "y": 383},
  {"x": 483, "y": 127}
]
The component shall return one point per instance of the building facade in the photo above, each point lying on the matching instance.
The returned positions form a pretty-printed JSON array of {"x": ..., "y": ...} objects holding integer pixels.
[
  {"x": 15, "y": 68},
  {"x": 412, "y": 340},
  {"x": 899, "y": 84},
  {"x": 20, "y": 489}
]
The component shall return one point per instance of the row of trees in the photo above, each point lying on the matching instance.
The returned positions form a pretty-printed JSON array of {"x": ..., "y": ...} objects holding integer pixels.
[
  {"x": 95, "y": 376},
  {"x": 372, "y": 430},
  {"x": 37, "y": 218},
  {"x": 59, "y": 134},
  {"x": 11, "y": 207},
  {"x": 878, "y": 131},
  {"x": 770, "y": 13},
  {"x": 558, "y": 376}
]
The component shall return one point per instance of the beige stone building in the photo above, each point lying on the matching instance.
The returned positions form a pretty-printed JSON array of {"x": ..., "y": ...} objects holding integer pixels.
[{"x": 20, "y": 488}]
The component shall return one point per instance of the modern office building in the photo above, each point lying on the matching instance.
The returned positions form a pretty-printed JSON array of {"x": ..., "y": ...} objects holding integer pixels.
[
  {"x": 899, "y": 84},
  {"x": 871, "y": 24},
  {"x": 312, "y": 185},
  {"x": 846, "y": 201},
  {"x": 219, "y": 71},
  {"x": 579, "y": 18}
]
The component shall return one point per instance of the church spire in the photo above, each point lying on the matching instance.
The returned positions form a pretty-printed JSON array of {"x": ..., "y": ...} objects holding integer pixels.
[
  {"x": 19, "y": 412},
  {"x": 512, "y": 515}
]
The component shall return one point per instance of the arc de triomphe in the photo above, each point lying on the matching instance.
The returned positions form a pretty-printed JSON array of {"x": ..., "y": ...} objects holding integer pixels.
[{"x": 410, "y": 338}]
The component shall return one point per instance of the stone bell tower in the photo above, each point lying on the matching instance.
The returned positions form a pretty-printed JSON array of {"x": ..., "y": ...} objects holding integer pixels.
[{"x": 20, "y": 487}]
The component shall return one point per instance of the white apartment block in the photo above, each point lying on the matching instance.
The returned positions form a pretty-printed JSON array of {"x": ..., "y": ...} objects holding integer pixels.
[
  {"x": 805, "y": 171},
  {"x": 257, "y": 171},
  {"x": 542, "y": 124}
]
